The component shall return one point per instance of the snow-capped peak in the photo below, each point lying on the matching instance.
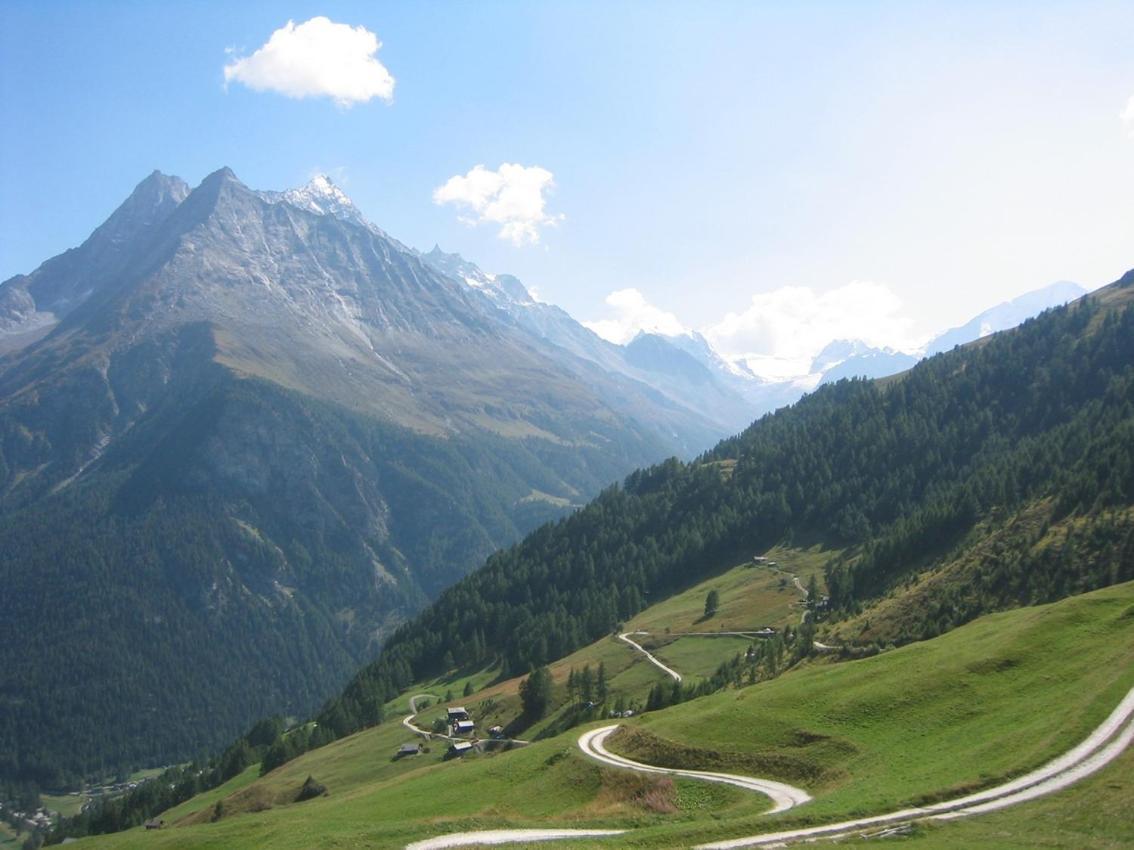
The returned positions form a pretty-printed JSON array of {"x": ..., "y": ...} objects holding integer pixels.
[
  {"x": 497, "y": 286},
  {"x": 322, "y": 197}
]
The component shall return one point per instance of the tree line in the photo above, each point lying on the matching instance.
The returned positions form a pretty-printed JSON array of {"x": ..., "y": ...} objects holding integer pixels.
[{"x": 894, "y": 472}]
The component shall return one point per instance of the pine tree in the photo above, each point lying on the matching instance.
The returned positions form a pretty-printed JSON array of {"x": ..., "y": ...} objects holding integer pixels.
[
  {"x": 535, "y": 693},
  {"x": 712, "y": 603},
  {"x": 586, "y": 684}
]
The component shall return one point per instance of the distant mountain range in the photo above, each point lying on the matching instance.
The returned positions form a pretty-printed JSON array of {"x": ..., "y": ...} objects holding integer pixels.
[
  {"x": 1007, "y": 315},
  {"x": 985, "y": 478},
  {"x": 854, "y": 358},
  {"x": 687, "y": 369}
]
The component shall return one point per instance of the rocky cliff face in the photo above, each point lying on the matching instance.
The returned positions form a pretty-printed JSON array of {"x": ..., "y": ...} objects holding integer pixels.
[{"x": 242, "y": 436}]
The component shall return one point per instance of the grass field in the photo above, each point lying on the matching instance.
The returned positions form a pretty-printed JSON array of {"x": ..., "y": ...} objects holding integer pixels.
[
  {"x": 9, "y": 837},
  {"x": 697, "y": 656},
  {"x": 546, "y": 781},
  {"x": 750, "y": 597},
  {"x": 1092, "y": 815},
  {"x": 986, "y": 701},
  {"x": 66, "y": 804},
  {"x": 981, "y": 703}
]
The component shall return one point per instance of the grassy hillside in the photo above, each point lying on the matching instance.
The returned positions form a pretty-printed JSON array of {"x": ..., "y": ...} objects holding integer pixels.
[
  {"x": 750, "y": 597},
  {"x": 922, "y": 722},
  {"x": 989, "y": 700},
  {"x": 900, "y": 479},
  {"x": 1093, "y": 815},
  {"x": 1010, "y": 557}
]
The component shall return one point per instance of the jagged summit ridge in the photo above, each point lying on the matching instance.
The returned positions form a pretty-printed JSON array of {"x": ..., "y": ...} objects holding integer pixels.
[
  {"x": 323, "y": 197},
  {"x": 296, "y": 287},
  {"x": 300, "y": 432}
]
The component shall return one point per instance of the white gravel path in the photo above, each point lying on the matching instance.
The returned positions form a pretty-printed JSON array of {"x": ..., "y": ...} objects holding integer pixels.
[
  {"x": 669, "y": 671},
  {"x": 1103, "y": 745},
  {"x": 407, "y": 721},
  {"x": 783, "y": 796},
  {"x": 506, "y": 836}
]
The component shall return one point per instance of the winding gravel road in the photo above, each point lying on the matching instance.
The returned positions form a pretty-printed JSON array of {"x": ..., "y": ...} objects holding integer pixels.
[
  {"x": 407, "y": 721},
  {"x": 507, "y": 836},
  {"x": 1101, "y": 747},
  {"x": 669, "y": 671},
  {"x": 783, "y": 796}
]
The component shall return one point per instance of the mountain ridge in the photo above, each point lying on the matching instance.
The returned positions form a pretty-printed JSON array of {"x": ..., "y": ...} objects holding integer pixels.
[
  {"x": 282, "y": 422},
  {"x": 242, "y": 423},
  {"x": 896, "y": 474}
]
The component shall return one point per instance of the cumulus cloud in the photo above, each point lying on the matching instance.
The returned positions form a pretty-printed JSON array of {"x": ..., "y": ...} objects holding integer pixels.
[
  {"x": 633, "y": 313},
  {"x": 781, "y": 331},
  {"x": 513, "y": 197},
  {"x": 318, "y": 58},
  {"x": 1127, "y": 117}
]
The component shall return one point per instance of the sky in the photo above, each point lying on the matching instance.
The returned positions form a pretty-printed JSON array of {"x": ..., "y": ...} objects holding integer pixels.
[{"x": 774, "y": 175}]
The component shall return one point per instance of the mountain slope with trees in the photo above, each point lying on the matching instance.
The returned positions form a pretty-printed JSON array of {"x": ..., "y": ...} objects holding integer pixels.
[
  {"x": 898, "y": 473},
  {"x": 241, "y": 440}
]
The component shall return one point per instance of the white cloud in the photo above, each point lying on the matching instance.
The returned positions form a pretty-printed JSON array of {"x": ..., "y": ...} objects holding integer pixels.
[
  {"x": 633, "y": 313},
  {"x": 318, "y": 58},
  {"x": 1127, "y": 117},
  {"x": 512, "y": 196},
  {"x": 781, "y": 331}
]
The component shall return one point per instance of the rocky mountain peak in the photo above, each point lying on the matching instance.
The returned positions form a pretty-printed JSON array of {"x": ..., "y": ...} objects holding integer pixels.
[
  {"x": 219, "y": 178},
  {"x": 158, "y": 186},
  {"x": 323, "y": 197},
  {"x": 150, "y": 202},
  {"x": 500, "y": 287},
  {"x": 836, "y": 352}
]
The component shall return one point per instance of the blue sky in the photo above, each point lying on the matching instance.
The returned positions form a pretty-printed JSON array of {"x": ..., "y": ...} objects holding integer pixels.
[{"x": 899, "y": 165}]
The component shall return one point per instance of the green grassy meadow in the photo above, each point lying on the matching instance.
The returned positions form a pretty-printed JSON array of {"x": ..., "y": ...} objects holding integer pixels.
[
  {"x": 930, "y": 720},
  {"x": 750, "y": 597},
  {"x": 982, "y": 703}
]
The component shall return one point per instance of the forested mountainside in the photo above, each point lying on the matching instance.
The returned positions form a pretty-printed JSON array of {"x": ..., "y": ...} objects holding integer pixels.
[
  {"x": 901, "y": 474},
  {"x": 240, "y": 440}
]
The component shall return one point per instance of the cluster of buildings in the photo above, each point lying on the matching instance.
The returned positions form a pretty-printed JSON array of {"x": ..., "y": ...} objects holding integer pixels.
[
  {"x": 459, "y": 721},
  {"x": 39, "y": 820},
  {"x": 460, "y": 725}
]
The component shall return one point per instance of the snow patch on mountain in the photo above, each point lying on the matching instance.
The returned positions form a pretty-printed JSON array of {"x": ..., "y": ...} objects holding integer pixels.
[
  {"x": 322, "y": 196},
  {"x": 504, "y": 289},
  {"x": 1007, "y": 315}
]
